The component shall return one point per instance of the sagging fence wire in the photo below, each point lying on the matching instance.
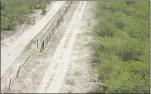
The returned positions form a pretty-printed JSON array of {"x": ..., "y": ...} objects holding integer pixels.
[{"x": 8, "y": 86}]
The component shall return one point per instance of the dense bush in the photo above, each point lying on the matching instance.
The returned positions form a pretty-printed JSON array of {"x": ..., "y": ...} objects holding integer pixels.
[
  {"x": 122, "y": 46},
  {"x": 16, "y": 12}
]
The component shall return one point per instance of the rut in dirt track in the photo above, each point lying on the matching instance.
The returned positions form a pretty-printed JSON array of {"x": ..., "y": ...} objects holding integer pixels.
[
  {"x": 50, "y": 78},
  {"x": 10, "y": 53},
  {"x": 63, "y": 52}
]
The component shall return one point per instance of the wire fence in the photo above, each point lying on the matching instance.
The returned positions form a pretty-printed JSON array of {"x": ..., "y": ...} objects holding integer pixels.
[
  {"x": 8, "y": 86},
  {"x": 52, "y": 25}
]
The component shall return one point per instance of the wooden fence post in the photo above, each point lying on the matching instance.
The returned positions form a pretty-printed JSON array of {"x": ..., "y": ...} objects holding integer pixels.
[
  {"x": 10, "y": 81},
  {"x": 37, "y": 43},
  {"x": 18, "y": 72},
  {"x": 25, "y": 60}
]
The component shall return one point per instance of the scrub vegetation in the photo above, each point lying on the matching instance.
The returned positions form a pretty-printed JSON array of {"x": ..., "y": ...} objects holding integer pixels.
[
  {"x": 17, "y": 12},
  {"x": 122, "y": 46}
]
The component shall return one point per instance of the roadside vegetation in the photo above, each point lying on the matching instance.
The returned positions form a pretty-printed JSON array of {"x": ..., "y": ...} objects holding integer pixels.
[
  {"x": 122, "y": 46},
  {"x": 17, "y": 12}
]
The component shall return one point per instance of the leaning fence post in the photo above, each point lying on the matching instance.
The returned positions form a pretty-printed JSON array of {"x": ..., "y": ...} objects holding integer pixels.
[
  {"x": 25, "y": 60},
  {"x": 18, "y": 72},
  {"x": 37, "y": 43},
  {"x": 58, "y": 16},
  {"x": 10, "y": 83}
]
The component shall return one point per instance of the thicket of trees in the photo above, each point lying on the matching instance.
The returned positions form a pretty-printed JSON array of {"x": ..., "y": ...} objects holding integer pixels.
[
  {"x": 122, "y": 46},
  {"x": 17, "y": 12}
]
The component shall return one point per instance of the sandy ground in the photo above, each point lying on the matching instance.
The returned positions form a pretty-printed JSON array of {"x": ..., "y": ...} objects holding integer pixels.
[
  {"x": 9, "y": 54},
  {"x": 9, "y": 37},
  {"x": 32, "y": 72},
  {"x": 78, "y": 78},
  {"x": 62, "y": 54},
  {"x": 64, "y": 70}
]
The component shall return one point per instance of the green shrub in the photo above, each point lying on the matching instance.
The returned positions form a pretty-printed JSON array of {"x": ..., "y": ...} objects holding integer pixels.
[
  {"x": 16, "y": 12},
  {"x": 122, "y": 46}
]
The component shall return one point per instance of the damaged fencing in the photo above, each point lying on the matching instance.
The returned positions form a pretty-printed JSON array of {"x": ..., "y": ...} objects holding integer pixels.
[
  {"x": 8, "y": 86},
  {"x": 41, "y": 42},
  {"x": 44, "y": 37}
]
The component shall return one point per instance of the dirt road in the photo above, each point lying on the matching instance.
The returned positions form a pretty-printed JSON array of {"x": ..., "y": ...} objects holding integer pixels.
[
  {"x": 9, "y": 54},
  {"x": 62, "y": 54},
  {"x": 78, "y": 78},
  {"x": 64, "y": 66}
]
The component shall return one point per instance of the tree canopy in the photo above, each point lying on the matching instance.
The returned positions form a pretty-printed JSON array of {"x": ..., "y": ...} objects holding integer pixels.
[
  {"x": 122, "y": 46},
  {"x": 17, "y": 12}
]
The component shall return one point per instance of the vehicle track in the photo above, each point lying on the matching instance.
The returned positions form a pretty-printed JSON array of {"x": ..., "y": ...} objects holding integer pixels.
[
  {"x": 9, "y": 54},
  {"x": 32, "y": 72},
  {"x": 61, "y": 56},
  {"x": 58, "y": 64}
]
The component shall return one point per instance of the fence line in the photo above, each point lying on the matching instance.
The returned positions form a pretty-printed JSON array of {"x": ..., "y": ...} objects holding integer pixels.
[
  {"x": 7, "y": 88},
  {"x": 56, "y": 19}
]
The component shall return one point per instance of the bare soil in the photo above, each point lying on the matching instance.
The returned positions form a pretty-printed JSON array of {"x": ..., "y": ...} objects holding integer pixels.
[
  {"x": 78, "y": 77},
  {"x": 9, "y": 37},
  {"x": 32, "y": 72}
]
